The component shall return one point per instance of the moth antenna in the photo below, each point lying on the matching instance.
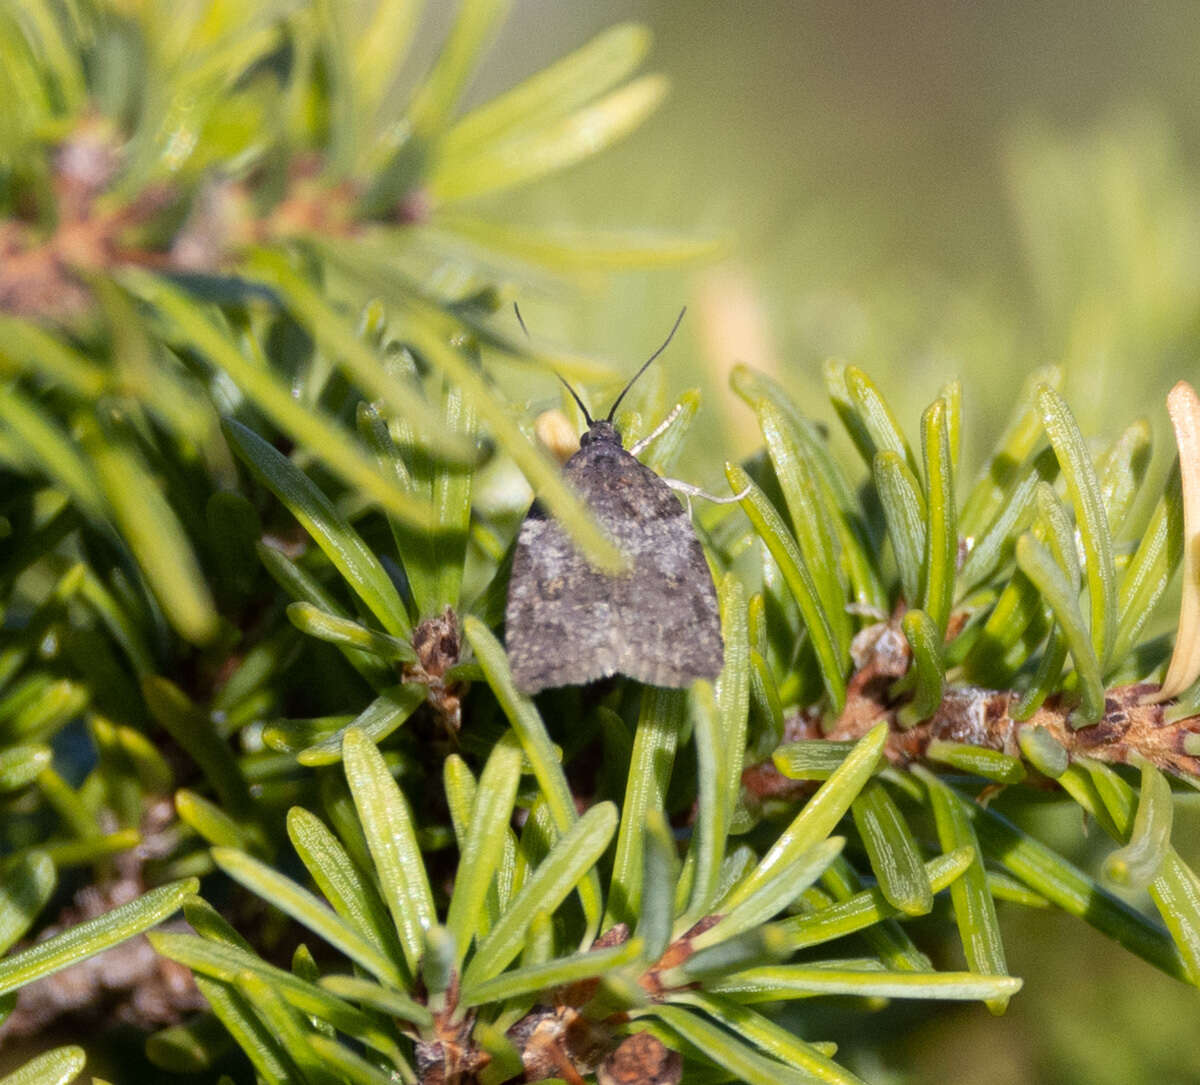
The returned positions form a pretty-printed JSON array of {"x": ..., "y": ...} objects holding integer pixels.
[
  {"x": 646, "y": 364},
  {"x": 575, "y": 396},
  {"x": 521, "y": 320}
]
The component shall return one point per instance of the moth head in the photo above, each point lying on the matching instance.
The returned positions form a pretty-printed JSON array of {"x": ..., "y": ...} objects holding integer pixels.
[{"x": 601, "y": 432}]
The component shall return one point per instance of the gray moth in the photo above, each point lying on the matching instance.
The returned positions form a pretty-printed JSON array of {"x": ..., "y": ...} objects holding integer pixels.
[{"x": 567, "y": 623}]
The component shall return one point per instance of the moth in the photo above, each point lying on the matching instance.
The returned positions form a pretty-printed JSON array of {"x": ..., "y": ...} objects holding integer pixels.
[{"x": 567, "y": 623}]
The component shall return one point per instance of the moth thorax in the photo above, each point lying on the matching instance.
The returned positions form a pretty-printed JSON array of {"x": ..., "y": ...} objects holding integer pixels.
[{"x": 600, "y": 433}]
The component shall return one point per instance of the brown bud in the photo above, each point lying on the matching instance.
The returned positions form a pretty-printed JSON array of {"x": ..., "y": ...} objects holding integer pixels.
[
  {"x": 641, "y": 1059},
  {"x": 554, "y": 430}
]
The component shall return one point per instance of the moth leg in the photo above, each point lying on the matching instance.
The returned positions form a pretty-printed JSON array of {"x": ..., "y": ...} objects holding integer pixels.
[
  {"x": 660, "y": 428},
  {"x": 691, "y": 491}
]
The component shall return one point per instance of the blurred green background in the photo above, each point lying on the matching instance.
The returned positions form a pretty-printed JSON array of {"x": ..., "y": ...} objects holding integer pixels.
[{"x": 929, "y": 190}]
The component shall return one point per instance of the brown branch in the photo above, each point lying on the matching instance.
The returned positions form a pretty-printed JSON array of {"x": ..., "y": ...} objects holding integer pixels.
[
  {"x": 128, "y": 984},
  {"x": 975, "y": 716},
  {"x": 44, "y": 271}
]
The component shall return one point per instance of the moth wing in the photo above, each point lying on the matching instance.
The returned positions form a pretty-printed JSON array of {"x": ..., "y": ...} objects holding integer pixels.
[
  {"x": 559, "y": 620},
  {"x": 669, "y": 620},
  {"x": 568, "y": 624}
]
